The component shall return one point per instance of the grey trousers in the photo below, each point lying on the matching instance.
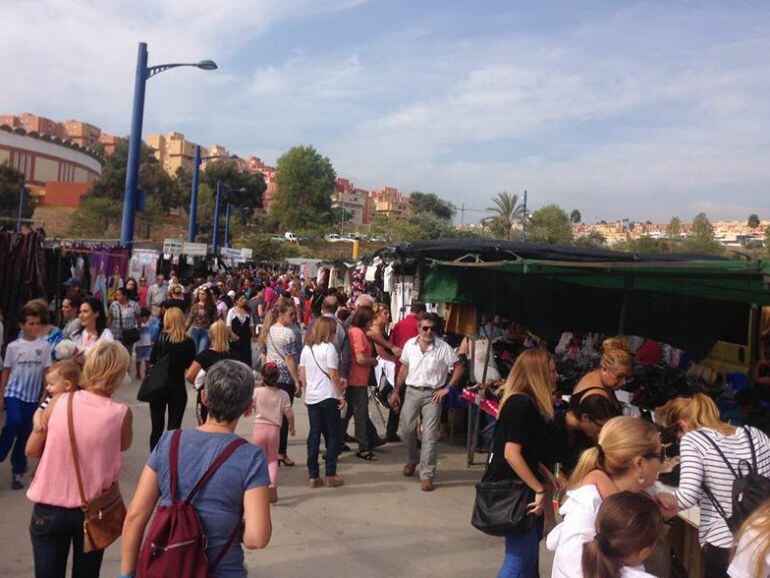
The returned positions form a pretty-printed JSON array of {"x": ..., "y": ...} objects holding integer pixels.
[{"x": 419, "y": 403}]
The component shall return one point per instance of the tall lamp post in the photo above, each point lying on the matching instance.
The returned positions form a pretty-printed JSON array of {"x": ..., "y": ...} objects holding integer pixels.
[
  {"x": 143, "y": 74},
  {"x": 21, "y": 208},
  {"x": 220, "y": 191},
  {"x": 192, "y": 226}
]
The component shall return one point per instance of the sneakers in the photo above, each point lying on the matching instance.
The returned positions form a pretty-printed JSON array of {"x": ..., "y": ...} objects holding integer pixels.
[
  {"x": 426, "y": 485},
  {"x": 409, "y": 470},
  {"x": 17, "y": 483},
  {"x": 333, "y": 481},
  {"x": 314, "y": 482}
]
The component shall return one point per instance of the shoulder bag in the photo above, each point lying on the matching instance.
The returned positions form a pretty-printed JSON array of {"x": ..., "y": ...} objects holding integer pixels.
[
  {"x": 317, "y": 364},
  {"x": 127, "y": 336},
  {"x": 104, "y": 514},
  {"x": 156, "y": 380},
  {"x": 500, "y": 508}
]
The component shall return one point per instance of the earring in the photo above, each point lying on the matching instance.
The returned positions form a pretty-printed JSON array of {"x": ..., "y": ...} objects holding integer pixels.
[{"x": 641, "y": 480}]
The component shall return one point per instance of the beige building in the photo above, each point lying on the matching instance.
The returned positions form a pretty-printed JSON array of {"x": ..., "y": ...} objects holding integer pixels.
[
  {"x": 389, "y": 203},
  {"x": 81, "y": 133}
]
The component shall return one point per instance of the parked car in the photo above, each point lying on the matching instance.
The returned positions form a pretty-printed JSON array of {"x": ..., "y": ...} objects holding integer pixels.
[
  {"x": 289, "y": 236},
  {"x": 333, "y": 238}
]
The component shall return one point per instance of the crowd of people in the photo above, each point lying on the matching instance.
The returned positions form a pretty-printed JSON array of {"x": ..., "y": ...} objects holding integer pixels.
[{"x": 249, "y": 343}]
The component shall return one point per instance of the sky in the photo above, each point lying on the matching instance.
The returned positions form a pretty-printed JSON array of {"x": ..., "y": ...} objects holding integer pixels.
[{"x": 620, "y": 109}]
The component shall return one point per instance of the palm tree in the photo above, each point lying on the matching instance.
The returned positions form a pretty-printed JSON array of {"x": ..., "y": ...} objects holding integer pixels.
[{"x": 508, "y": 211}]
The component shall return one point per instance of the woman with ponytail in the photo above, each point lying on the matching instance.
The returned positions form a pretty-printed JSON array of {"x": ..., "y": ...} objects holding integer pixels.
[
  {"x": 613, "y": 373},
  {"x": 627, "y": 527},
  {"x": 627, "y": 457}
]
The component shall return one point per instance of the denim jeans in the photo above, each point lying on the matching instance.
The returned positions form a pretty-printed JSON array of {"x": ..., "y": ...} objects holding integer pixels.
[
  {"x": 18, "y": 426},
  {"x": 522, "y": 555},
  {"x": 52, "y": 530},
  {"x": 324, "y": 419},
  {"x": 201, "y": 339},
  {"x": 283, "y": 443}
]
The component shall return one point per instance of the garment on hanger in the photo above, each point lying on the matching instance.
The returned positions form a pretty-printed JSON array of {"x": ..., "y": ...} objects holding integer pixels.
[{"x": 461, "y": 319}]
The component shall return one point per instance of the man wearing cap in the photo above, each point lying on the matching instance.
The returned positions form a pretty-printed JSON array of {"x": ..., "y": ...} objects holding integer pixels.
[{"x": 425, "y": 364}]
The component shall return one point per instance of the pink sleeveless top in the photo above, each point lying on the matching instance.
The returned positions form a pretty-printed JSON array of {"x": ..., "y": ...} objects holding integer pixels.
[{"x": 98, "y": 421}]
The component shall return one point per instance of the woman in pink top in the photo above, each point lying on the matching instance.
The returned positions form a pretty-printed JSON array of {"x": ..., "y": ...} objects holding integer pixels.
[
  {"x": 102, "y": 431},
  {"x": 271, "y": 404},
  {"x": 361, "y": 363}
]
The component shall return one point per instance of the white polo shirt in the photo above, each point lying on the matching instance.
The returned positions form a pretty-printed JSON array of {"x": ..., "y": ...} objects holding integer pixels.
[{"x": 428, "y": 370}]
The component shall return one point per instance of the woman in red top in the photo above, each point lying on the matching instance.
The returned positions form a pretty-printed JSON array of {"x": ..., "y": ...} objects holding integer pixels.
[{"x": 361, "y": 363}]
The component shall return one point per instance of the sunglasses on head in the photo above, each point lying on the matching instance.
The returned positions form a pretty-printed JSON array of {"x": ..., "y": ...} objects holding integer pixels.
[{"x": 427, "y": 328}]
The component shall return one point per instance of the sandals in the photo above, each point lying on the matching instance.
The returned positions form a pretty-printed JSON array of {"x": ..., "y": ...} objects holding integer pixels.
[
  {"x": 286, "y": 461},
  {"x": 368, "y": 456}
]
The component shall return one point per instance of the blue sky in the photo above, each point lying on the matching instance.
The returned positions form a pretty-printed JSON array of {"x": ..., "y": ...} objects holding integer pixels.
[{"x": 620, "y": 109}]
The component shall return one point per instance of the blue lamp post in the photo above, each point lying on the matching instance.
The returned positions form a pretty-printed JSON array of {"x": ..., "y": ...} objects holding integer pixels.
[
  {"x": 21, "y": 208},
  {"x": 192, "y": 227},
  {"x": 227, "y": 226},
  {"x": 221, "y": 191},
  {"x": 143, "y": 74}
]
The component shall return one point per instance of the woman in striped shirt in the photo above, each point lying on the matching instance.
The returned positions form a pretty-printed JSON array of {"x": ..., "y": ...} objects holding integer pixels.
[{"x": 696, "y": 420}]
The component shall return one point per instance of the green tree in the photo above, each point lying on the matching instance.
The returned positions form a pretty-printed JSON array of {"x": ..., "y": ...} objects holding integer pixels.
[
  {"x": 507, "y": 212},
  {"x": 305, "y": 184},
  {"x": 753, "y": 221},
  {"x": 767, "y": 241},
  {"x": 575, "y": 217},
  {"x": 592, "y": 239},
  {"x": 643, "y": 244},
  {"x": 674, "y": 228},
  {"x": 431, "y": 203},
  {"x": 234, "y": 180},
  {"x": 11, "y": 182},
  {"x": 549, "y": 225},
  {"x": 701, "y": 239},
  {"x": 96, "y": 216}
]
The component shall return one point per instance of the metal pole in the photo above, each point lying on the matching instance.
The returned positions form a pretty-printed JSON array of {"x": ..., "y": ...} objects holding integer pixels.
[
  {"x": 134, "y": 149},
  {"x": 227, "y": 226},
  {"x": 524, "y": 220},
  {"x": 21, "y": 209},
  {"x": 215, "y": 241},
  {"x": 192, "y": 226}
]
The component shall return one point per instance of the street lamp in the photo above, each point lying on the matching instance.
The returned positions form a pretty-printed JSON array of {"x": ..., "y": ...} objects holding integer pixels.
[
  {"x": 220, "y": 191},
  {"x": 143, "y": 74},
  {"x": 21, "y": 209},
  {"x": 192, "y": 223}
]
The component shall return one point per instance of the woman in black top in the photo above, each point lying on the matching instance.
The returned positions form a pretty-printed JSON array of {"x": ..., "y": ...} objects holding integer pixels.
[
  {"x": 174, "y": 343},
  {"x": 241, "y": 330},
  {"x": 219, "y": 350},
  {"x": 518, "y": 449}
]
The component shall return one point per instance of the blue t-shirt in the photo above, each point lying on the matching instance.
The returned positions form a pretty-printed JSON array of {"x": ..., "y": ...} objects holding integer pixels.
[{"x": 219, "y": 503}]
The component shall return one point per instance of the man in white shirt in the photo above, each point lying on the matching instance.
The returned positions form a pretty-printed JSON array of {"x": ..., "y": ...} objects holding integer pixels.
[
  {"x": 157, "y": 294},
  {"x": 425, "y": 364}
]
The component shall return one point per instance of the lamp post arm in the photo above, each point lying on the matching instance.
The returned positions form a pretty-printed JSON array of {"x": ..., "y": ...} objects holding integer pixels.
[{"x": 157, "y": 69}]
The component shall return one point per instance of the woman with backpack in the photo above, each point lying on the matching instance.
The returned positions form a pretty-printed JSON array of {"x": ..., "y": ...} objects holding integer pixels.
[
  {"x": 711, "y": 452},
  {"x": 181, "y": 349},
  {"x": 230, "y": 508}
]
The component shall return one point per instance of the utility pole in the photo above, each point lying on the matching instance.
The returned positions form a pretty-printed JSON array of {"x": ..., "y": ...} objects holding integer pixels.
[
  {"x": 524, "y": 221},
  {"x": 462, "y": 214}
]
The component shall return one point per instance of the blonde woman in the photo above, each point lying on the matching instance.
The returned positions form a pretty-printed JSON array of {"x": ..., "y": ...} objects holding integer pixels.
[
  {"x": 102, "y": 430},
  {"x": 174, "y": 343},
  {"x": 752, "y": 554},
  {"x": 517, "y": 450},
  {"x": 219, "y": 350},
  {"x": 627, "y": 457},
  {"x": 710, "y": 451},
  {"x": 613, "y": 373}
]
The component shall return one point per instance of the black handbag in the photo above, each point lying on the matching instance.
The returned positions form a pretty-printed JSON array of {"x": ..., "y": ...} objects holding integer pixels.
[
  {"x": 500, "y": 508},
  {"x": 128, "y": 336},
  {"x": 155, "y": 382}
]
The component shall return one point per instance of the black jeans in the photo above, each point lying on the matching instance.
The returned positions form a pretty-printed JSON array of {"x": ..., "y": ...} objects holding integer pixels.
[
  {"x": 358, "y": 407},
  {"x": 284, "y": 441},
  {"x": 176, "y": 401},
  {"x": 324, "y": 419},
  {"x": 52, "y": 530},
  {"x": 715, "y": 561}
]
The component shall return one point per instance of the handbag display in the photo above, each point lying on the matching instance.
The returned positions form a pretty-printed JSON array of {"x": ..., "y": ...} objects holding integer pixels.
[
  {"x": 103, "y": 515},
  {"x": 155, "y": 382},
  {"x": 500, "y": 508}
]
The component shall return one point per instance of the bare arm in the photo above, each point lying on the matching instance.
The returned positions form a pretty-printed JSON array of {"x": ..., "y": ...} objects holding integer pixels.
[
  {"x": 36, "y": 441},
  {"x": 192, "y": 371},
  {"x": 3, "y": 383},
  {"x": 257, "y": 528},
  {"x": 127, "y": 431},
  {"x": 291, "y": 363},
  {"x": 139, "y": 512},
  {"x": 519, "y": 465}
]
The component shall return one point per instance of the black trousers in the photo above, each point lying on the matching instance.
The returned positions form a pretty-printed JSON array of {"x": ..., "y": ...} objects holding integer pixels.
[
  {"x": 53, "y": 530},
  {"x": 284, "y": 441},
  {"x": 715, "y": 561},
  {"x": 176, "y": 402}
]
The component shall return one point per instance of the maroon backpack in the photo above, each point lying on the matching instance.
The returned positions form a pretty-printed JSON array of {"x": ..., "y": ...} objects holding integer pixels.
[{"x": 175, "y": 544}]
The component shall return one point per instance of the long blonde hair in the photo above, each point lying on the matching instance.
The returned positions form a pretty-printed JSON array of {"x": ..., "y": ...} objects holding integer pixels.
[
  {"x": 105, "y": 368},
  {"x": 697, "y": 411},
  {"x": 218, "y": 337},
  {"x": 759, "y": 523},
  {"x": 531, "y": 375},
  {"x": 174, "y": 325},
  {"x": 616, "y": 353},
  {"x": 622, "y": 439}
]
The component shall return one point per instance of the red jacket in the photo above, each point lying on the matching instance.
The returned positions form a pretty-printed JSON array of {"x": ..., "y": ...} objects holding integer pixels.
[{"x": 402, "y": 332}]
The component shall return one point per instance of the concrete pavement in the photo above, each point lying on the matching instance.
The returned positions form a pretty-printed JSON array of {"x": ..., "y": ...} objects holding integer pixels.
[{"x": 378, "y": 525}]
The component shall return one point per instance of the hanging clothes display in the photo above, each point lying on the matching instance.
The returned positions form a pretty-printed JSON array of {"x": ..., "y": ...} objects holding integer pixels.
[
  {"x": 22, "y": 272},
  {"x": 461, "y": 319}
]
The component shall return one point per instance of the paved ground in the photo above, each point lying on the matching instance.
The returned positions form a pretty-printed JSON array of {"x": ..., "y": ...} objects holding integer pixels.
[{"x": 378, "y": 525}]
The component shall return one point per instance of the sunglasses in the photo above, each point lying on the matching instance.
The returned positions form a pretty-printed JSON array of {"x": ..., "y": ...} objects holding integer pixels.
[
  {"x": 428, "y": 328},
  {"x": 660, "y": 455}
]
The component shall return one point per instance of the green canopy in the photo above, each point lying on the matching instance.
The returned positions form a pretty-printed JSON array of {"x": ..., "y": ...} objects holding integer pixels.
[{"x": 691, "y": 304}]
